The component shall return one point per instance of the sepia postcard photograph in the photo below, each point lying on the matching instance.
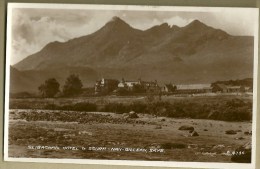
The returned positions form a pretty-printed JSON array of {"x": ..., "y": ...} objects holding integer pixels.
[{"x": 131, "y": 85}]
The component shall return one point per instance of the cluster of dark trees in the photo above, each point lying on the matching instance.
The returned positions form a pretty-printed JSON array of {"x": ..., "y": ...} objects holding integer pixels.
[
  {"x": 51, "y": 87},
  {"x": 244, "y": 82}
]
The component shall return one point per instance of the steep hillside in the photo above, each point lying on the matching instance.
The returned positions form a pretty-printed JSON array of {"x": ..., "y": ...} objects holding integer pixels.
[
  {"x": 30, "y": 80},
  {"x": 196, "y": 53}
]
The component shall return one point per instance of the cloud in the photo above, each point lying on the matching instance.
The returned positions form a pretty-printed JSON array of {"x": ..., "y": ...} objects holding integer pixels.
[
  {"x": 235, "y": 21},
  {"x": 179, "y": 21},
  {"x": 31, "y": 35}
]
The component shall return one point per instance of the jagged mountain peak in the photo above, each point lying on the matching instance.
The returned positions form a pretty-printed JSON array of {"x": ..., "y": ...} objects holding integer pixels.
[
  {"x": 116, "y": 25},
  {"x": 159, "y": 29},
  {"x": 196, "y": 24},
  {"x": 115, "y": 20},
  {"x": 164, "y": 25},
  {"x": 196, "y": 21},
  {"x": 175, "y": 27}
]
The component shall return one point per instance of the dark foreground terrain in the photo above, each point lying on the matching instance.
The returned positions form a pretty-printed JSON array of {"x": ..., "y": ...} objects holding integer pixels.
[{"x": 124, "y": 136}]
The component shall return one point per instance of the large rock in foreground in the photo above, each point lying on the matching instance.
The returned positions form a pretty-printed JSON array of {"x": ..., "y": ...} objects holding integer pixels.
[
  {"x": 194, "y": 134},
  {"x": 131, "y": 115},
  {"x": 185, "y": 127}
]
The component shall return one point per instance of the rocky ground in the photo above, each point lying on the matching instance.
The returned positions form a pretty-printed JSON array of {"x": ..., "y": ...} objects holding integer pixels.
[{"x": 130, "y": 136}]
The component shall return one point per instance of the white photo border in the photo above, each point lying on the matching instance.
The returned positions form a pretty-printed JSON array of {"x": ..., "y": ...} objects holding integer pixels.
[{"x": 12, "y": 6}]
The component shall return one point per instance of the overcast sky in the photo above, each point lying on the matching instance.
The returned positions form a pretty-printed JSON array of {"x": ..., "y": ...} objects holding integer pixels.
[{"x": 32, "y": 28}]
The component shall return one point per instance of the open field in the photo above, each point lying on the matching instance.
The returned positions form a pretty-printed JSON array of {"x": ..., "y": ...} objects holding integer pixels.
[
  {"x": 216, "y": 107},
  {"x": 107, "y": 135},
  {"x": 203, "y": 99}
]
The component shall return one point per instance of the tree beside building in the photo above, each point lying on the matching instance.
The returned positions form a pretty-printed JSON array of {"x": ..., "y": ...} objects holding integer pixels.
[
  {"x": 73, "y": 86},
  {"x": 50, "y": 88}
]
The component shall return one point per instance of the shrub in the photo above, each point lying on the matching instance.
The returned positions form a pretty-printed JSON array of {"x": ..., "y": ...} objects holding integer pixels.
[
  {"x": 116, "y": 108},
  {"x": 230, "y": 110},
  {"x": 73, "y": 86},
  {"x": 235, "y": 103},
  {"x": 138, "y": 107},
  {"x": 22, "y": 95},
  {"x": 122, "y": 92},
  {"x": 50, "y": 88},
  {"x": 20, "y": 105},
  {"x": 51, "y": 107},
  {"x": 85, "y": 107}
]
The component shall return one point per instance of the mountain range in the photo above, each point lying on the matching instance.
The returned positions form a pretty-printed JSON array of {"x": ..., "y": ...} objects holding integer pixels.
[{"x": 195, "y": 53}]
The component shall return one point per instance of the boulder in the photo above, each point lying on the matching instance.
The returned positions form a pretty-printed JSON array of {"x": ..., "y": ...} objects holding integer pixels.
[
  {"x": 249, "y": 133},
  {"x": 158, "y": 127},
  {"x": 194, "y": 134},
  {"x": 125, "y": 115},
  {"x": 231, "y": 132},
  {"x": 185, "y": 127},
  {"x": 132, "y": 115},
  {"x": 240, "y": 138}
]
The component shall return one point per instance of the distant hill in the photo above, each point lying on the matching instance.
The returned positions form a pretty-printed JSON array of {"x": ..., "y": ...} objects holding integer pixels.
[
  {"x": 30, "y": 80},
  {"x": 196, "y": 53}
]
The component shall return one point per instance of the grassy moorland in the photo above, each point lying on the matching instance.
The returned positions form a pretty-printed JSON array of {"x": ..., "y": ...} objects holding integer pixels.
[{"x": 226, "y": 108}]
